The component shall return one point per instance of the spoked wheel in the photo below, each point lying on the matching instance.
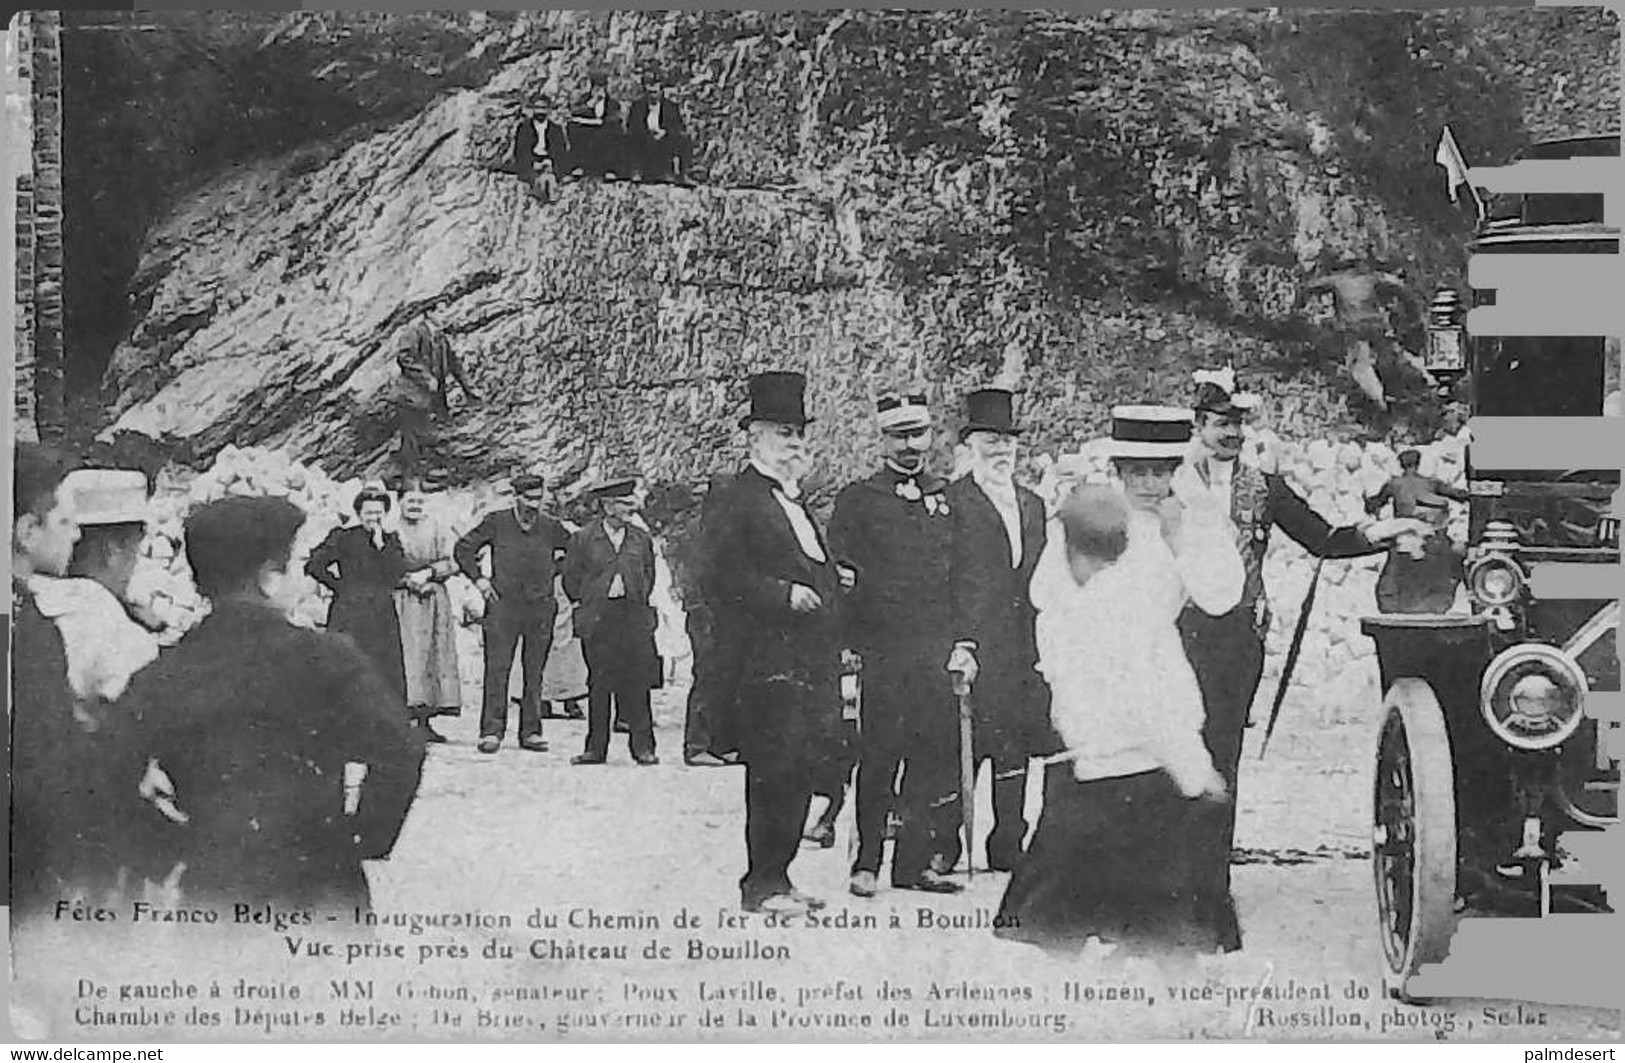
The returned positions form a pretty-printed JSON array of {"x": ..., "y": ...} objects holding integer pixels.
[{"x": 1413, "y": 838}]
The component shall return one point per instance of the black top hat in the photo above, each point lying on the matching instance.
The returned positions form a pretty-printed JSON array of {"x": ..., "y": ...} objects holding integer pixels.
[
  {"x": 778, "y": 397},
  {"x": 990, "y": 410}
]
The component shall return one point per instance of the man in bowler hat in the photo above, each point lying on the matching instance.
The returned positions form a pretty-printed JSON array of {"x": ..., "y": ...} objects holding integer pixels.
[
  {"x": 525, "y": 547},
  {"x": 608, "y": 574},
  {"x": 999, "y": 532},
  {"x": 894, "y": 529},
  {"x": 766, "y": 565}
]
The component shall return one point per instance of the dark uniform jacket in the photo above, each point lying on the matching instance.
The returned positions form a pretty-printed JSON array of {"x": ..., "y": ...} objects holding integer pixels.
[
  {"x": 363, "y": 579},
  {"x": 523, "y": 563},
  {"x": 900, "y": 546},
  {"x": 590, "y": 569},
  {"x": 786, "y": 709},
  {"x": 254, "y": 720},
  {"x": 991, "y": 607},
  {"x": 1260, "y": 502}
]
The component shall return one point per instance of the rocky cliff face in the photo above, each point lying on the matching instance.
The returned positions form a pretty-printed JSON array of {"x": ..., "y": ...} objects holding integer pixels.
[{"x": 1082, "y": 208}]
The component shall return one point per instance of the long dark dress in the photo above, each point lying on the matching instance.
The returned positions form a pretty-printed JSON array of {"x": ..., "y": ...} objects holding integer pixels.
[
  {"x": 363, "y": 578},
  {"x": 1119, "y": 853}
]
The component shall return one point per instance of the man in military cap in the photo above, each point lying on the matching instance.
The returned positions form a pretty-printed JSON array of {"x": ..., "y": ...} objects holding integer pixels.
[
  {"x": 765, "y": 564},
  {"x": 894, "y": 529},
  {"x": 608, "y": 574},
  {"x": 525, "y": 547},
  {"x": 998, "y": 535},
  {"x": 1227, "y": 651}
]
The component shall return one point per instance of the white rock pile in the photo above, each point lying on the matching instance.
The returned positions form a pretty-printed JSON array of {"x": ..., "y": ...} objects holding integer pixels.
[{"x": 163, "y": 581}]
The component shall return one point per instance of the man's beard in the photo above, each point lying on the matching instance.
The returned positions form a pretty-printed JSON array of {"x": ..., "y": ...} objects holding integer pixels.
[{"x": 996, "y": 471}]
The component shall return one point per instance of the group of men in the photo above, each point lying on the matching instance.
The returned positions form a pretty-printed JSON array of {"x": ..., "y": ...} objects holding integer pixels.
[
  {"x": 222, "y": 758},
  {"x": 646, "y": 141},
  {"x": 920, "y": 583},
  {"x": 926, "y": 582},
  {"x": 607, "y": 570}
]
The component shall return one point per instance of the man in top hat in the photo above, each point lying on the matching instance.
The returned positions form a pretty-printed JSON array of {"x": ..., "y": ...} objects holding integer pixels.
[
  {"x": 998, "y": 535},
  {"x": 608, "y": 574},
  {"x": 894, "y": 529},
  {"x": 765, "y": 565},
  {"x": 1227, "y": 651},
  {"x": 525, "y": 547}
]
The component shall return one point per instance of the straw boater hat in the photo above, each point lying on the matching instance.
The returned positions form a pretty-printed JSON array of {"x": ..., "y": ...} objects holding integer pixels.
[
  {"x": 1150, "y": 432},
  {"x": 108, "y": 496},
  {"x": 902, "y": 414}
]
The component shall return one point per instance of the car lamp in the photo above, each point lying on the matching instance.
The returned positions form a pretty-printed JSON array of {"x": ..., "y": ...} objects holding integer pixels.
[{"x": 1533, "y": 696}]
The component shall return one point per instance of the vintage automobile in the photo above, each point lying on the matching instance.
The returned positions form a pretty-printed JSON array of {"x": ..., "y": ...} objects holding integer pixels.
[{"x": 1486, "y": 755}]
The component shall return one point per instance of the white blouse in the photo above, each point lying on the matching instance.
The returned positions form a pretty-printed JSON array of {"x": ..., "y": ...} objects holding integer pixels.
[{"x": 1125, "y": 697}]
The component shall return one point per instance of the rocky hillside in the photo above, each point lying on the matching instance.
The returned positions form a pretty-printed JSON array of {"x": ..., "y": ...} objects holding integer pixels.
[{"x": 1081, "y": 208}]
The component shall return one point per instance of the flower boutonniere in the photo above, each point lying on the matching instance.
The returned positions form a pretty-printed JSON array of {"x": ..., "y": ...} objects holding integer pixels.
[
  {"x": 908, "y": 490},
  {"x": 936, "y": 505}
]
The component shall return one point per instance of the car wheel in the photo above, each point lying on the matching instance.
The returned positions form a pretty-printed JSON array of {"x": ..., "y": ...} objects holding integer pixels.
[{"x": 1413, "y": 840}]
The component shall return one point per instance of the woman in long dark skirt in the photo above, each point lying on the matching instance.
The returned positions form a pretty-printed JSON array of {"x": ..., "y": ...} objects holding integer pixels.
[
  {"x": 1114, "y": 857},
  {"x": 362, "y": 565}
]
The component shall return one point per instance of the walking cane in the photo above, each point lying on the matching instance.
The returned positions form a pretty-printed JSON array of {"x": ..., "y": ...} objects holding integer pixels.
[
  {"x": 967, "y": 771},
  {"x": 1291, "y": 657}
]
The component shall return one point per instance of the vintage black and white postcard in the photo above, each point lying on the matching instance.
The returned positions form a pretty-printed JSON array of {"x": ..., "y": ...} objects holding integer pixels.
[{"x": 926, "y": 526}]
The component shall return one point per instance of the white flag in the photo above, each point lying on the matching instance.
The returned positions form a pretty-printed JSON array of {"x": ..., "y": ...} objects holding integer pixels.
[{"x": 1455, "y": 167}]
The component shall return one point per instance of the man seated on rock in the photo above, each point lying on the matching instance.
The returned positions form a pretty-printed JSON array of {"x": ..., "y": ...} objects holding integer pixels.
[
  {"x": 657, "y": 139},
  {"x": 1358, "y": 288},
  {"x": 541, "y": 150},
  {"x": 598, "y": 129},
  {"x": 427, "y": 365}
]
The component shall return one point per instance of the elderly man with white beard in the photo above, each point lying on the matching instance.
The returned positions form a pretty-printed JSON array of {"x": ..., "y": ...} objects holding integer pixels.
[{"x": 998, "y": 535}]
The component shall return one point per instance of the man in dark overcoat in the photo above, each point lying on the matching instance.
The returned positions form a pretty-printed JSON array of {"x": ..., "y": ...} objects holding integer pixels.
[
  {"x": 525, "y": 547},
  {"x": 608, "y": 574},
  {"x": 766, "y": 566},
  {"x": 254, "y": 720},
  {"x": 657, "y": 137},
  {"x": 714, "y": 656},
  {"x": 1227, "y": 651},
  {"x": 894, "y": 529},
  {"x": 999, "y": 532}
]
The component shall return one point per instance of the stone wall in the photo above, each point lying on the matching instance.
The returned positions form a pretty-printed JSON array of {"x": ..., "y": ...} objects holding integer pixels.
[
  {"x": 19, "y": 138},
  {"x": 35, "y": 108}
]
